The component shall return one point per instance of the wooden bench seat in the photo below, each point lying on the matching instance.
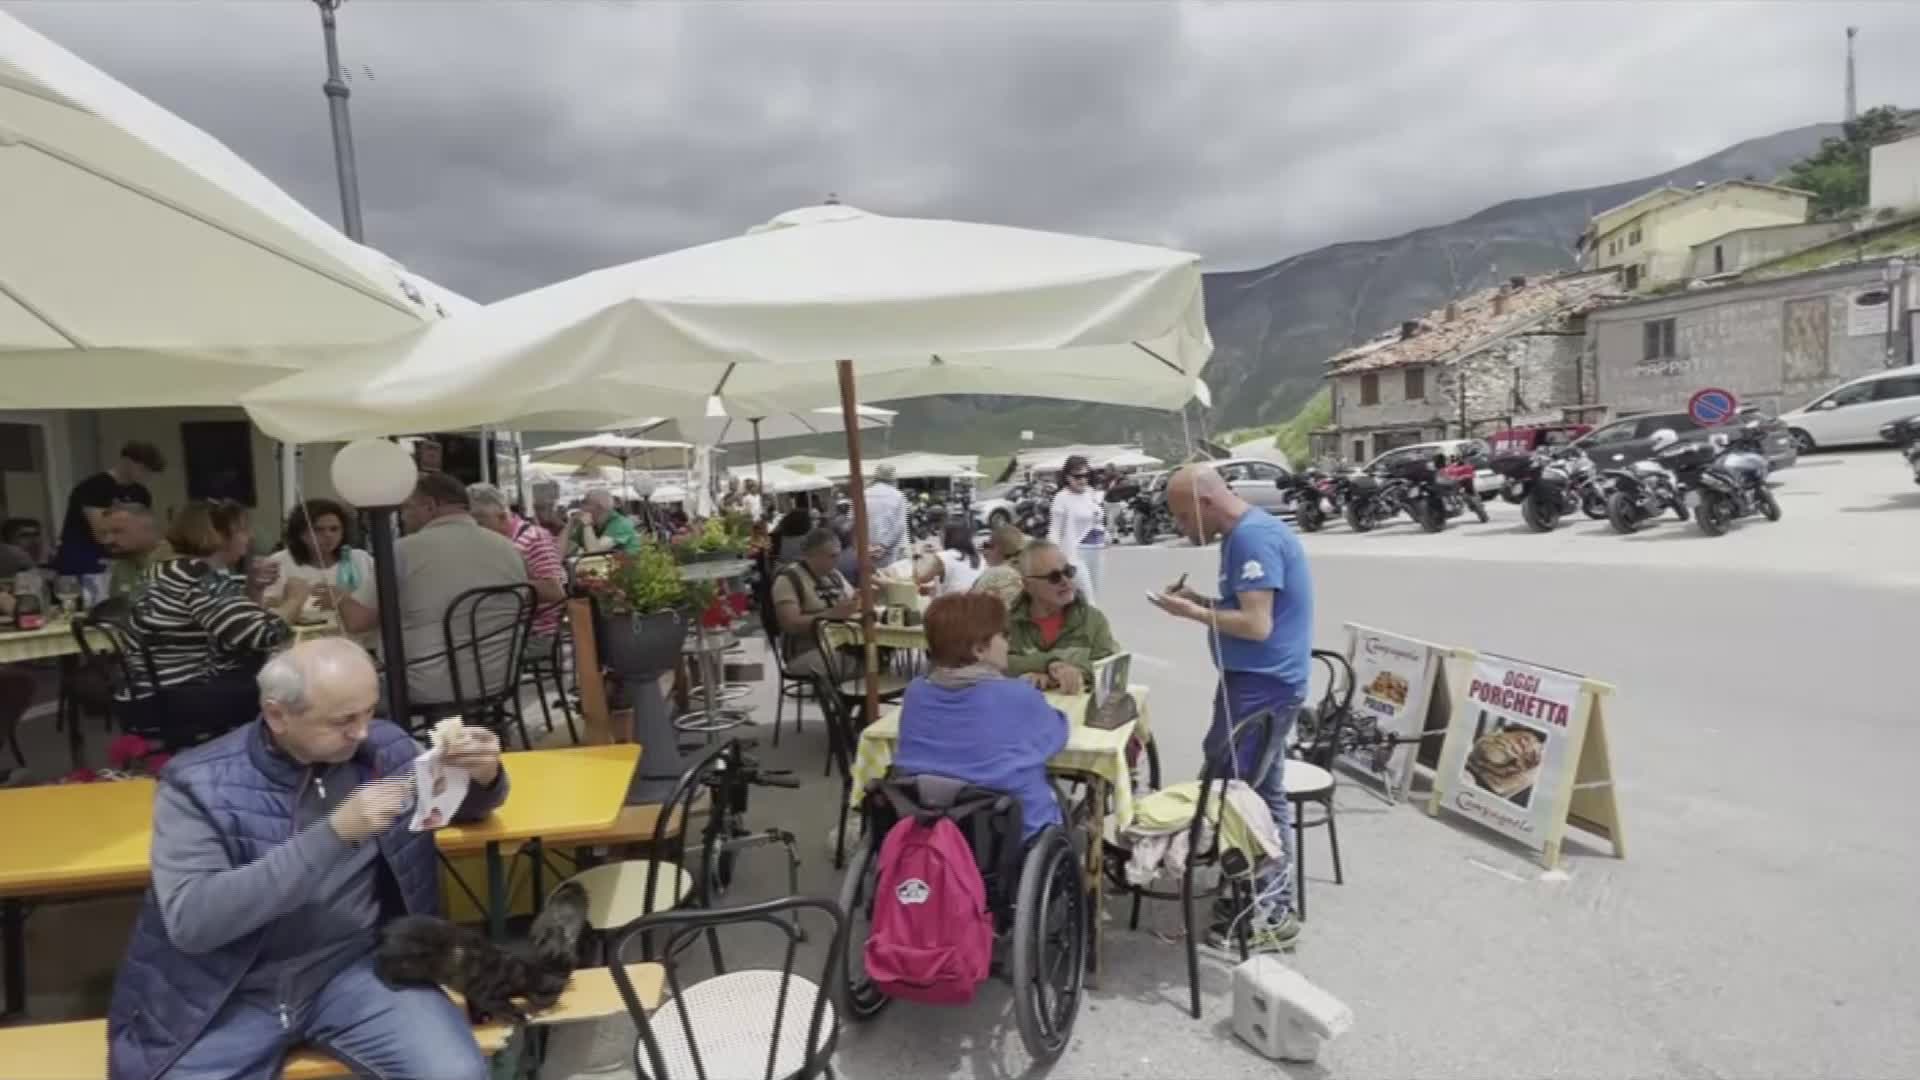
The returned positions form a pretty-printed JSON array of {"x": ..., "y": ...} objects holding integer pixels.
[{"x": 77, "y": 1050}]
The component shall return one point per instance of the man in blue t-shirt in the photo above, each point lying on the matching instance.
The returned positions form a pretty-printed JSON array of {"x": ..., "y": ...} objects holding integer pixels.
[{"x": 1260, "y": 631}]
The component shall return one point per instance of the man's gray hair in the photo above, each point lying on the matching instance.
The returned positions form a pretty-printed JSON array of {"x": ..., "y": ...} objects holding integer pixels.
[
  {"x": 885, "y": 474},
  {"x": 486, "y": 497},
  {"x": 818, "y": 538},
  {"x": 282, "y": 683},
  {"x": 598, "y": 497},
  {"x": 1035, "y": 548}
]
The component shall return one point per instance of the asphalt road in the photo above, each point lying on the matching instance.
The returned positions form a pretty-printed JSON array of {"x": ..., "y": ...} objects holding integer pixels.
[{"x": 1763, "y": 739}]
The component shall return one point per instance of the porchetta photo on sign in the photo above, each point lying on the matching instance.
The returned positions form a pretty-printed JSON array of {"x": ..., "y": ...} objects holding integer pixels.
[{"x": 1505, "y": 759}]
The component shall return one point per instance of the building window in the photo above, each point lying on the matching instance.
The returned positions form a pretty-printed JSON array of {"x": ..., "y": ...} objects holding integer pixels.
[
  {"x": 1370, "y": 389},
  {"x": 1659, "y": 339},
  {"x": 1719, "y": 260},
  {"x": 1634, "y": 236},
  {"x": 1359, "y": 451},
  {"x": 1416, "y": 384},
  {"x": 1632, "y": 281},
  {"x": 219, "y": 460}
]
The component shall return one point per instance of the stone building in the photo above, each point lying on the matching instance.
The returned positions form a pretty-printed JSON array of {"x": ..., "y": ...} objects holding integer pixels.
[{"x": 1505, "y": 355}]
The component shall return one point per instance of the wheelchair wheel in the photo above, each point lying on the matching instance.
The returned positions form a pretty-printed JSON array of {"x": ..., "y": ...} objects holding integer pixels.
[
  {"x": 1051, "y": 929},
  {"x": 858, "y": 998}
]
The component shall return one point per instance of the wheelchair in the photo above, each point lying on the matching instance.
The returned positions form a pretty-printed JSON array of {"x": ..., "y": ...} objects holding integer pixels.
[{"x": 1036, "y": 892}]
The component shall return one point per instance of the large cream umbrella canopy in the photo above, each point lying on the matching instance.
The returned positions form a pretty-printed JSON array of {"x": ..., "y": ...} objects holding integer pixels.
[
  {"x": 919, "y": 307},
  {"x": 144, "y": 263}
]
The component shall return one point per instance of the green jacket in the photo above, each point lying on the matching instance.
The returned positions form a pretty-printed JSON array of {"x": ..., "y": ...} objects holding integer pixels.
[{"x": 1084, "y": 638}]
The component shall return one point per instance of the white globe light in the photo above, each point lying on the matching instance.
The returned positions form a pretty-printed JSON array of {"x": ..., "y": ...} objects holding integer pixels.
[
  {"x": 643, "y": 486},
  {"x": 374, "y": 472}
]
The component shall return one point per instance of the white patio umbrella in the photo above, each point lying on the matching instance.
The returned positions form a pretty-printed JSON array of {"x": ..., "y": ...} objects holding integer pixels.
[
  {"x": 783, "y": 319},
  {"x": 143, "y": 263},
  {"x": 1132, "y": 459},
  {"x": 606, "y": 448}
]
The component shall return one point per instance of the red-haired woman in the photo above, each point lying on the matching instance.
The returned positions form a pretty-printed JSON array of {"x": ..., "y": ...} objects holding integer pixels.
[{"x": 968, "y": 720}]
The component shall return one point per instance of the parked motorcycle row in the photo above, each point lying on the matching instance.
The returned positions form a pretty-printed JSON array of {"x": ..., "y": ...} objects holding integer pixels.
[{"x": 1712, "y": 482}]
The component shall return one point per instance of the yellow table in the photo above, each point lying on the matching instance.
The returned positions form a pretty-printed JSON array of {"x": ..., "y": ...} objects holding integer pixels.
[
  {"x": 86, "y": 839},
  {"x": 900, "y": 637},
  {"x": 52, "y": 640},
  {"x": 1094, "y": 756}
]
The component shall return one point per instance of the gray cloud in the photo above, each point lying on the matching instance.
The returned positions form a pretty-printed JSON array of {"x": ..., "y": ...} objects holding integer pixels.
[{"x": 505, "y": 145}]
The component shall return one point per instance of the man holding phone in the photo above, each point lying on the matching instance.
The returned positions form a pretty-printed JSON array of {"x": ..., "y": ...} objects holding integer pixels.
[{"x": 1260, "y": 630}]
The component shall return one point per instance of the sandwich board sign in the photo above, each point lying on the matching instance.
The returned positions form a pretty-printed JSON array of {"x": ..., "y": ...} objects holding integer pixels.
[
  {"x": 1400, "y": 690},
  {"x": 1526, "y": 756}
]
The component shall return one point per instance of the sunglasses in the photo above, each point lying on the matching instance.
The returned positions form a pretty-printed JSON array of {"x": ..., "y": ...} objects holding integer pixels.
[
  {"x": 1058, "y": 577},
  {"x": 1077, "y": 476}
]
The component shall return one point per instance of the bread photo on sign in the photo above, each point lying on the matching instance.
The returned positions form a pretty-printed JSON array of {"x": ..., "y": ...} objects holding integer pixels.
[
  {"x": 1388, "y": 687},
  {"x": 1505, "y": 761}
]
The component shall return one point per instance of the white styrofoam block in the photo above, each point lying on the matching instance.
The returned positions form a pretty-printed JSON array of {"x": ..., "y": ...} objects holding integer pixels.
[{"x": 1282, "y": 1015}]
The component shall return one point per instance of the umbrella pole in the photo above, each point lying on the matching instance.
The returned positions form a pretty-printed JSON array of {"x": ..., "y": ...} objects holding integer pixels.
[
  {"x": 857, "y": 494},
  {"x": 759, "y": 470}
]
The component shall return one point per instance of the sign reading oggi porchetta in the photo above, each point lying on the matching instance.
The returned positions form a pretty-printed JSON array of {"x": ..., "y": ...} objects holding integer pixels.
[{"x": 1517, "y": 748}]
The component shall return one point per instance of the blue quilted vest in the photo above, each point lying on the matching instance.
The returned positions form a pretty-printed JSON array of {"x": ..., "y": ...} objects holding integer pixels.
[{"x": 163, "y": 998}]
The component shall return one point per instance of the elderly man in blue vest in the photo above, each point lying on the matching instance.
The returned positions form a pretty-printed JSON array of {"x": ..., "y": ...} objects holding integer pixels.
[{"x": 278, "y": 851}]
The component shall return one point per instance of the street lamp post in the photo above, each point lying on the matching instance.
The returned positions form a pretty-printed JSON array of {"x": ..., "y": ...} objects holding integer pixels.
[
  {"x": 1894, "y": 273},
  {"x": 337, "y": 94}
]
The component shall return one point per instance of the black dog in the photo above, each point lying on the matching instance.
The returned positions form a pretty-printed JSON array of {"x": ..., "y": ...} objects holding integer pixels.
[{"x": 422, "y": 950}]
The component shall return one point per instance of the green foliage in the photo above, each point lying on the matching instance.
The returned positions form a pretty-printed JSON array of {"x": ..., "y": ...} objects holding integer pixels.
[
  {"x": 1837, "y": 173},
  {"x": 1291, "y": 436},
  {"x": 716, "y": 536},
  {"x": 642, "y": 583}
]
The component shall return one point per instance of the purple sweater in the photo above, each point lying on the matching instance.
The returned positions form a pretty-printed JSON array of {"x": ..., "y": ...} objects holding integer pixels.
[{"x": 996, "y": 734}]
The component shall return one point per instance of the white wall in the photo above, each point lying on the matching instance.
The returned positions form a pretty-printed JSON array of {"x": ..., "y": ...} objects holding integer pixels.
[{"x": 1894, "y": 179}]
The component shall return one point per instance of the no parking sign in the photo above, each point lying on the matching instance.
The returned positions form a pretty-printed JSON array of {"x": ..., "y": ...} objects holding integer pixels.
[{"x": 1712, "y": 406}]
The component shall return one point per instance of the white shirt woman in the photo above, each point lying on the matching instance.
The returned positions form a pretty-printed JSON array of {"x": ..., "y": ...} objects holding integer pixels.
[
  {"x": 1077, "y": 518},
  {"x": 956, "y": 566}
]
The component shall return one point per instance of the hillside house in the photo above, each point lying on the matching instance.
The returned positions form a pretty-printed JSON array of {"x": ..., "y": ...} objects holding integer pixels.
[
  {"x": 1650, "y": 239},
  {"x": 1775, "y": 341},
  {"x": 1743, "y": 249},
  {"x": 1505, "y": 354},
  {"x": 1893, "y": 175}
]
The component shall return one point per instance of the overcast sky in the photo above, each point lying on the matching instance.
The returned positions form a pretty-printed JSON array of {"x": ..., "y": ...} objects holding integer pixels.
[{"x": 506, "y": 145}]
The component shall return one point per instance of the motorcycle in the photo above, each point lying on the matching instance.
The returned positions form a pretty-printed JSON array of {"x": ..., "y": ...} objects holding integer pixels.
[
  {"x": 1432, "y": 499},
  {"x": 1373, "y": 500},
  {"x": 1639, "y": 493},
  {"x": 1724, "y": 478},
  {"x": 1549, "y": 484},
  {"x": 1313, "y": 496},
  {"x": 1905, "y": 434},
  {"x": 1033, "y": 509}
]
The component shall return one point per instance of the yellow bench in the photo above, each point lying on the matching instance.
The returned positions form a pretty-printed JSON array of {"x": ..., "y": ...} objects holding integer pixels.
[{"x": 78, "y": 1050}]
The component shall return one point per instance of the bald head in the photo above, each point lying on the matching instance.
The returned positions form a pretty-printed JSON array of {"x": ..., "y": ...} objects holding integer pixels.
[
  {"x": 1202, "y": 504},
  {"x": 599, "y": 506},
  {"x": 318, "y": 699}
]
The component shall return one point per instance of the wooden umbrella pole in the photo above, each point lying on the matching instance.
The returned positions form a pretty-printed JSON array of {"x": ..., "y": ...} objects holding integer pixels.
[{"x": 856, "y": 493}]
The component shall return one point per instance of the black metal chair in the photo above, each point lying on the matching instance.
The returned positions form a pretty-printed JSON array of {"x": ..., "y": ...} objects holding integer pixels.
[
  {"x": 550, "y": 663},
  {"x": 796, "y": 687},
  {"x": 486, "y": 689},
  {"x": 1205, "y": 850},
  {"x": 842, "y": 742},
  {"x": 842, "y": 656},
  {"x": 737, "y": 1025},
  {"x": 136, "y": 701}
]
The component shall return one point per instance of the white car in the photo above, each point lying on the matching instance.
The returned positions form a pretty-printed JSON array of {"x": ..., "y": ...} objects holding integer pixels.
[
  {"x": 1851, "y": 414},
  {"x": 1485, "y": 481}
]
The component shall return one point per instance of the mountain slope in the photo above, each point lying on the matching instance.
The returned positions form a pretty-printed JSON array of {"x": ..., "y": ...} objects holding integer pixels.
[{"x": 1273, "y": 327}]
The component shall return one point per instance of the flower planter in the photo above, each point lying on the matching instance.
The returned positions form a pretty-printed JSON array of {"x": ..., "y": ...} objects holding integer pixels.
[{"x": 644, "y": 646}]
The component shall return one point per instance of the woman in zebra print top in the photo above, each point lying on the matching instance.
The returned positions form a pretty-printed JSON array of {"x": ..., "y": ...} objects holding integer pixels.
[{"x": 203, "y": 626}]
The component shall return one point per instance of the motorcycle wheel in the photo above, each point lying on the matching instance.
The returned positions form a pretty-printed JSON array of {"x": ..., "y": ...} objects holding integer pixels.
[
  {"x": 1309, "y": 517},
  {"x": 1680, "y": 508},
  {"x": 1622, "y": 514},
  {"x": 1768, "y": 505},
  {"x": 1716, "y": 513},
  {"x": 1143, "y": 529},
  {"x": 1539, "y": 517},
  {"x": 1479, "y": 508},
  {"x": 1430, "y": 514},
  {"x": 1358, "y": 519},
  {"x": 1593, "y": 504}
]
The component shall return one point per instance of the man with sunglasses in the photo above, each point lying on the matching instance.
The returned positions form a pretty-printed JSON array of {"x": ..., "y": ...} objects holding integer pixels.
[
  {"x": 1054, "y": 636},
  {"x": 1260, "y": 630}
]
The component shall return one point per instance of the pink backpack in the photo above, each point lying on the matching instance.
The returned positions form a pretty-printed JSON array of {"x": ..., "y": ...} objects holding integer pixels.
[{"x": 932, "y": 936}]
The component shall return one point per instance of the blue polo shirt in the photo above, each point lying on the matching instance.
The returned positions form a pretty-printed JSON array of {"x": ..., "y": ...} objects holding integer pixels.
[{"x": 1261, "y": 552}]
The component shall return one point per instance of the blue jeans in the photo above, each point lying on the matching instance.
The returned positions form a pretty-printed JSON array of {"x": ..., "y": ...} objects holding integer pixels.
[
  {"x": 412, "y": 1034},
  {"x": 1249, "y": 694}
]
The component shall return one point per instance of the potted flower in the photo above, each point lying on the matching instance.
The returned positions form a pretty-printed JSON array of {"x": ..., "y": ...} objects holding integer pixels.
[
  {"x": 640, "y": 598},
  {"x": 713, "y": 541}
]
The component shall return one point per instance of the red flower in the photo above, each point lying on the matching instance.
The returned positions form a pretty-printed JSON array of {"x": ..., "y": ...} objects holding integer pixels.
[
  {"x": 157, "y": 762},
  {"x": 80, "y": 776},
  {"x": 126, "y": 749}
]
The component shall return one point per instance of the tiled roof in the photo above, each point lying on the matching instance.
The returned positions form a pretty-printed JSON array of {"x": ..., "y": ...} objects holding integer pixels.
[{"x": 1475, "y": 326}]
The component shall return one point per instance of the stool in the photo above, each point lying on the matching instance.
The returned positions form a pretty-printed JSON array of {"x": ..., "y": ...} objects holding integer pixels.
[{"x": 1305, "y": 784}]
